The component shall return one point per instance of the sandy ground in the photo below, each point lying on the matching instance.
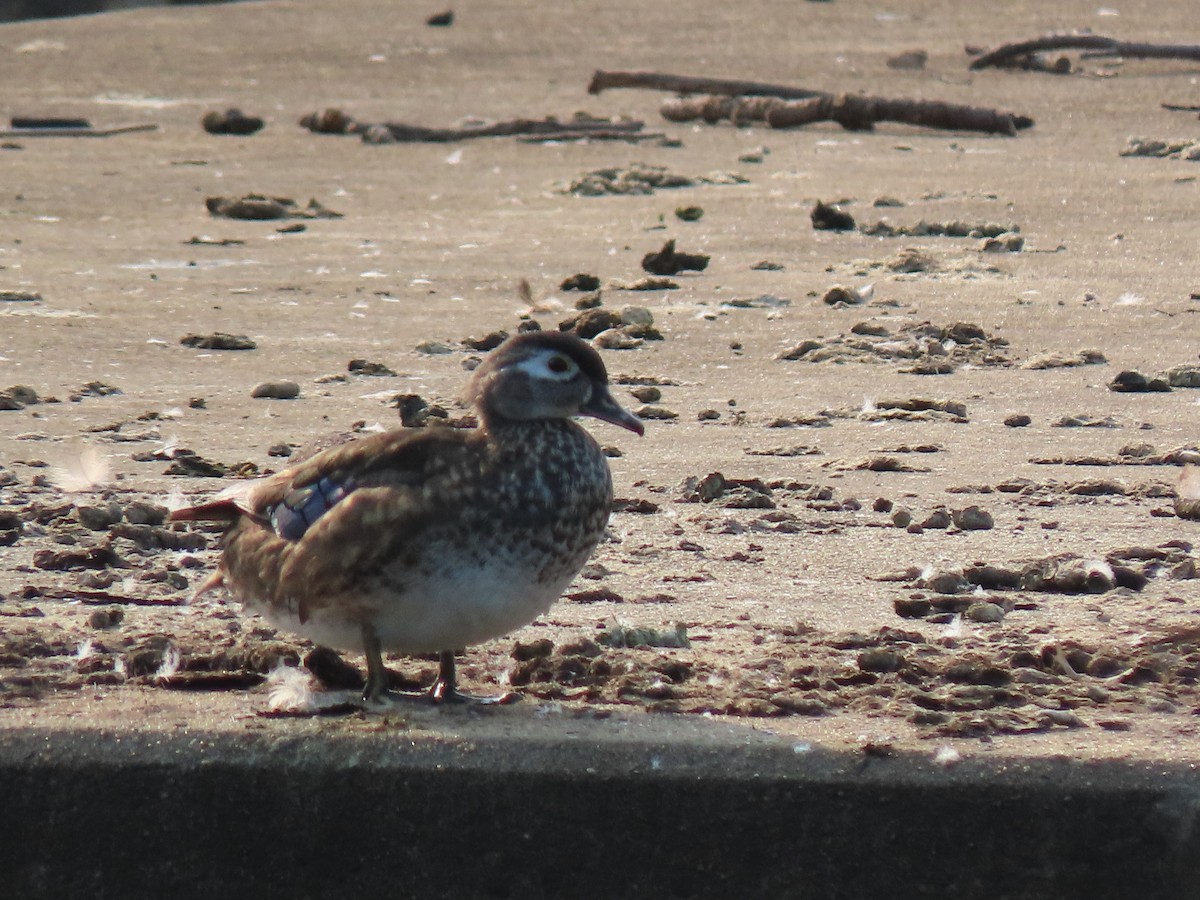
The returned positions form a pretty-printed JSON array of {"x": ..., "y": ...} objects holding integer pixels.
[{"x": 787, "y": 584}]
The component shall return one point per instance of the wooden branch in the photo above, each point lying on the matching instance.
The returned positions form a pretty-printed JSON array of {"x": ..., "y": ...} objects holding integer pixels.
[
  {"x": 334, "y": 121},
  {"x": 853, "y": 112},
  {"x": 608, "y": 134},
  {"x": 1108, "y": 46},
  {"x": 686, "y": 84}
]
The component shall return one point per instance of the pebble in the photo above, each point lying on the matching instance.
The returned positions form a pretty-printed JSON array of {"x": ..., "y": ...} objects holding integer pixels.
[
  {"x": 99, "y": 517},
  {"x": 277, "y": 390},
  {"x": 985, "y": 612},
  {"x": 639, "y": 316},
  {"x": 22, "y": 393},
  {"x": 1020, "y": 420},
  {"x": 591, "y": 322},
  {"x": 488, "y": 342},
  {"x": 616, "y": 339},
  {"x": 973, "y": 518},
  {"x": 912, "y": 607},
  {"x": 366, "y": 367},
  {"x": 901, "y": 516},
  {"x": 1131, "y": 382},
  {"x": 646, "y": 394},
  {"x": 880, "y": 659},
  {"x": 231, "y": 121},
  {"x": 108, "y": 617},
  {"x": 651, "y": 411},
  {"x": 580, "y": 282},
  {"x": 140, "y": 512},
  {"x": 939, "y": 518},
  {"x": 947, "y": 583}
]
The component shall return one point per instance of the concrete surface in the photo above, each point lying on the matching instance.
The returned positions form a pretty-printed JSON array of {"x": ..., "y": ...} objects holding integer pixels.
[{"x": 118, "y": 814}]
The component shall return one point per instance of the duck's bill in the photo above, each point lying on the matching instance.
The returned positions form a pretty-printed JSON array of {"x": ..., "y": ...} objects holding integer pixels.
[{"x": 603, "y": 407}]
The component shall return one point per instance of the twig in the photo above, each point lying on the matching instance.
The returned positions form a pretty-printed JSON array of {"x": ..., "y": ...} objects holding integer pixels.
[
  {"x": 1105, "y": 45},
  {"x": 334, "y": 121},
  {"x": 853, "y": 112},
  {"x": 571, "y": 134},
  {"x": 686, "y": 84},
  {"x": 75, "y": 132}
]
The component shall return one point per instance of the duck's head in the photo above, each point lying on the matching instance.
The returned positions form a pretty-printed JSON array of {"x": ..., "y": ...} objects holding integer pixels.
[{"x": 545, "y": 375}]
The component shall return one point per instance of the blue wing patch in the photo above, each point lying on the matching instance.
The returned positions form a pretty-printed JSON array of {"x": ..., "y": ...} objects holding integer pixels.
[{"x": 301, "y": 508}]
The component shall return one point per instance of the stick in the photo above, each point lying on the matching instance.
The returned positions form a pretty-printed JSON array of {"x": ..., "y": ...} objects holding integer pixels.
[
  {"x": 76, "y": 132},
  {"x": 685, "y": 84},
  {"x": 544, "y": 127},
  {"x": 853, "y": 112},
  {"x": 572, "y": 134},
  {"x": 334, "y": 121},
  {"x": 1106, "y": 45}
]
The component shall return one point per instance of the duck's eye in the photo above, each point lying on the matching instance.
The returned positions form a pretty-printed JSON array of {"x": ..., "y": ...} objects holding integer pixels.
[{"x": 558, "y": 364}]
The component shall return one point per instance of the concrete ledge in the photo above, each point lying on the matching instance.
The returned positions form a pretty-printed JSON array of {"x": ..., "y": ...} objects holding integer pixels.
[{"x": 129, "y": 815}]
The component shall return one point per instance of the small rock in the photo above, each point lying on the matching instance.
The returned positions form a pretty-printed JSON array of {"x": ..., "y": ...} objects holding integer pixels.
[
  {"x": 587, "y": 301},
  {"x": 973, "y": 518},
  {"x": 985, "y": 612},
  {"x": 912, "y": 607},
  {"x": 689, "y": 213},
  {"x": 646, "y": 394},
  {"x": 1019, "y": 420},
  {"x": 218, "y": 340},
  {"x": 616, "y": 339},
  {"x": 101, "y": 516},
  {"x": 902, "y": 516},
  {"x": 846, "y": 296},
  {"x": 591, "y": 322},
  {"x": 1179, "y": 376},
  {"x": 276, "y": 390},
  {"x": 882, "y": 505},
  {"x": 580, "y": 282},
  {"x": 441, "y": 20},
  {"x": 668, "y": 261},
  {"x": 1137, "y": 383},
  {"x": 830, "y": 218},
  {"x": 939, "y": 518},
  {"x": 434, "y": 348},
  {"x": 231, "y": 121},
  {"x": 947, "y": 583},
  {"x": 637, "y": 316},
  {"x": 880, "y": 659},
  {"x": 108, "y": 617},
  {"x": 1005, "y": 243},
  {"x": 910, "y": 60},
  {"x": 800, "y": 350},
  {"x": 140, "y": 512},
  {"x": 364, "y": 367},
  {"x": 22, "y": 393},
  {"x": 651, "y": 411}
]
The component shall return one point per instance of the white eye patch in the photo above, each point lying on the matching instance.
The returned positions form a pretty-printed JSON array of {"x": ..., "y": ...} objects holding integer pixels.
[{"x": 550, "y": 365}]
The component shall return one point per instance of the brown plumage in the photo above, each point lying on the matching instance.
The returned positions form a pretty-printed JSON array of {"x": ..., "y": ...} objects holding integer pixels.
[{"x": 432, "y": 540}]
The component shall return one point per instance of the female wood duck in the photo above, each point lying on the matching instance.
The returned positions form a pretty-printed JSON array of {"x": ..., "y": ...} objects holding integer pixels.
[{"x": 429, "y": 541}]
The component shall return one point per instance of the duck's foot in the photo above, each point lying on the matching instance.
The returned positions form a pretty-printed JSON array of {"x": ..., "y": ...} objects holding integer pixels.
[
  {"x": 443, "y": 690},
  {"x": 445, "y": 687}
]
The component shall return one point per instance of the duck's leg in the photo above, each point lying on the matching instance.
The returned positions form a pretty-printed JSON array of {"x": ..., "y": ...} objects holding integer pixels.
[
  {"x": 377, "y": 676},
  {"x": 445, "y": 687}
]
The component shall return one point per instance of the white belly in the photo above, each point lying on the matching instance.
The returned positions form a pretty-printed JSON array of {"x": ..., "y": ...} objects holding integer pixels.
[{"x": 459, "y": 607}]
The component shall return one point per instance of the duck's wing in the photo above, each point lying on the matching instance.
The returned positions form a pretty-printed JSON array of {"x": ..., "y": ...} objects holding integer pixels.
[{"x": 311, "y": 530}]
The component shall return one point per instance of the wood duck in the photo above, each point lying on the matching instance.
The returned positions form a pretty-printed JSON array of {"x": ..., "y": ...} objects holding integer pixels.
[{"x": 429, "y": 541}]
